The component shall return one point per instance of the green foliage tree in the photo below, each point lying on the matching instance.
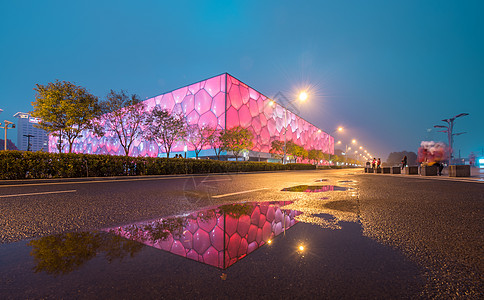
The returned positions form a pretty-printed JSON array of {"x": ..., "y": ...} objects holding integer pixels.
[
  {"x": 315, "y": 155},
  {"x": 296, "y": 151},
  {"x": 236, "y": 140},
  {"x": 165, "y": 128},
  {"x": 277, "y": 150},
  {"x": 124, "y": 116},
  {"x": 291, "y": 149},
  {"x": 65, "y": 110}
]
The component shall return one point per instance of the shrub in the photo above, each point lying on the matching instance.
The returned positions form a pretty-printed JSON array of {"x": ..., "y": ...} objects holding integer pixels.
[{"x": 21, "y": 165}]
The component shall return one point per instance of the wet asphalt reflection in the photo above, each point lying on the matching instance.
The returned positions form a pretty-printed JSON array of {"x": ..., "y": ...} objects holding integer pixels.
[
  {"x": 318, "y": 251},
  {"x": 344, "y": 236}
]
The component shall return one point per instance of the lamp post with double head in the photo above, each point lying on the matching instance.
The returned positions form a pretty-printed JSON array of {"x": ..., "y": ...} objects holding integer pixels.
[
  {"x": 353, "y": 141},
  {"x": 449, "y": 130}
]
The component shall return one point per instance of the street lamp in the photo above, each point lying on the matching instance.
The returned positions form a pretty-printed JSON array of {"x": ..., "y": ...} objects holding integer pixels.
[
  {"x": 346, "y": 149},
  {"x": 340, "y": 128},
  {"x": 449, "y": 128},
  {"x": 6, "y": 127}
]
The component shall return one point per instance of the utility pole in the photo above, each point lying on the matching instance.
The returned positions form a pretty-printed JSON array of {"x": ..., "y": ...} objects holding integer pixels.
[{"x": 28, "y": 136}]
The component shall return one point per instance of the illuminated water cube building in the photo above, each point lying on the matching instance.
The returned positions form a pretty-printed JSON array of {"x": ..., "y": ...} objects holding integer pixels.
[{"x": 222, "y": 102}]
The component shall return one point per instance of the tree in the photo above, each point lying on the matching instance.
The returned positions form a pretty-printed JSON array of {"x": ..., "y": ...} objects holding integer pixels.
[
  {"x": 303, "y": 153},
  {"x": 296, "y": 151},
  {"x": 165, "y": 128},
  {"x": 198, "y": 137},
  {"x": 337, "y": 159},
  {"x": 216, "y": 142},
  {"x": 315, "y": 155},
  {"x": 65, "y": 110},
  {"x": 277, "y": 150},
  {"x": 123, "y": 115},
  {"x": 291, "y": 149},
  {"x": 236, "y": 140}
]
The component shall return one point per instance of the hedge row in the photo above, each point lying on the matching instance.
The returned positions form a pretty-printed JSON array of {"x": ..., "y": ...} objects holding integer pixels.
[{"x": 20, "y": 165}]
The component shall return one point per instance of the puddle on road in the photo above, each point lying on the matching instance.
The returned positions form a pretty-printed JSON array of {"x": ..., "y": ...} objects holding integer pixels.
[{"x": 315, "y": 188}]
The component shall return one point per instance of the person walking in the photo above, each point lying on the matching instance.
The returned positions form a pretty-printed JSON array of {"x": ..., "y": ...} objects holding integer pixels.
[
  {"x": 373, "y": 163},
  {"x": 378, "y": 163},
  {"x": 404, "y": 162}
]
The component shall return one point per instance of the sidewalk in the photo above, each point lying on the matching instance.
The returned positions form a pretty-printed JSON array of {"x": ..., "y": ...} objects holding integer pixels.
[{"x": 477, "y": 175}]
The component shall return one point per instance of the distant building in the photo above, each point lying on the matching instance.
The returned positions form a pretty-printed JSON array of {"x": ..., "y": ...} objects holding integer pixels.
[
  {"x": 39, "y": 139},
  {"x": 10, "y": 145}
]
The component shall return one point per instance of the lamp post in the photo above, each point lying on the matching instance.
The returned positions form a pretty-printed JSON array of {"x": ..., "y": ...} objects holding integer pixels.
[
  {"x": 450, "y": 135},
  {"x": 346, "y": 149},
  {"x": 340, "y": 128},
  {"x": 6, "y": 127},
  {"x": 303, "y": 96}
]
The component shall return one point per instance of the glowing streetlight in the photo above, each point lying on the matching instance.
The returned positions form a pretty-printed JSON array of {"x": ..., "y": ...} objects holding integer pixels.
[{"x": 303, "y": 96}]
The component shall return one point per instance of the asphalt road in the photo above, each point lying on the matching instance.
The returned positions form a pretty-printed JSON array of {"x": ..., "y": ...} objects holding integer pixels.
[{"x": 388, "y": 237}]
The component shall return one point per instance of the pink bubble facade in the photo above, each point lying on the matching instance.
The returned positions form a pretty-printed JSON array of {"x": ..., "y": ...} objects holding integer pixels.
[
  {"x": 222, "y": 102},
  {"x": 218, "y": 237}
]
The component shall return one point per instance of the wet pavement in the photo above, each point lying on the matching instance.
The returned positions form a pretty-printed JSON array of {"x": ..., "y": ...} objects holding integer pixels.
[{"x": 318, "y": 234}]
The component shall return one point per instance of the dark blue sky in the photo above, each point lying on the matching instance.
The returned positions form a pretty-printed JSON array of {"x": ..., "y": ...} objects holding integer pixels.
[{"x": 385, "y": 70}]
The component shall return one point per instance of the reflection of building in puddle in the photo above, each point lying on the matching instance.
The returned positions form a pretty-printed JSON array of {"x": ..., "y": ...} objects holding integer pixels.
[{"x": 220, "y": 236}]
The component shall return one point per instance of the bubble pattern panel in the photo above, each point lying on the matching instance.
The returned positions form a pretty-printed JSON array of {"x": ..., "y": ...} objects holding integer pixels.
[
  {"x": 268, "y": 120},
  {"x": 218, "y": 237},
  {"x": 204, "y": 104}
]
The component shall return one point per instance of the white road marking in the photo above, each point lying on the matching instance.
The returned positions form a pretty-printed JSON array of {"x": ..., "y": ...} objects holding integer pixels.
[
  {"x": 238, "y": 193},
  {"x": 215, "y": 180},
  {"x": 94, "y": 181},
  {"x": 41, "y": 193}
]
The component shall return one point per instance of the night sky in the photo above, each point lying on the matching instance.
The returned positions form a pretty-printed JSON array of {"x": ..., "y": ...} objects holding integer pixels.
[{"x": 387, "y": 71}]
